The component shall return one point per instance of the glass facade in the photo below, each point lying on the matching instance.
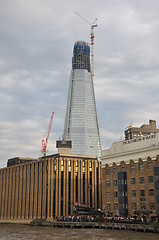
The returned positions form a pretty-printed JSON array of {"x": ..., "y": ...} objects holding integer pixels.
[{"x": 81, "y": 124}]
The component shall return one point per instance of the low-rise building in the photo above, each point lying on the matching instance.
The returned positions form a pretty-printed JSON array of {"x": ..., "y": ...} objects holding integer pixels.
[
  {"x": 48, "y": 187},
  {"x": 146, "y": 129},
  {"x": 130, "y": 177}
]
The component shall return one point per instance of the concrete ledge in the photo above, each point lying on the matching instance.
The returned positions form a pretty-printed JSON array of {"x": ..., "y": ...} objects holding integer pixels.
[
  {"x": 15, "y": 221},
  {"x": 99, "y": 225}
]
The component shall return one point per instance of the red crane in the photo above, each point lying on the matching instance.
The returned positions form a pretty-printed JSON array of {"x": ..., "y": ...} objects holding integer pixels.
[
  {"x": 93, "y": 25},
  {"x": 45, "y": 142}
]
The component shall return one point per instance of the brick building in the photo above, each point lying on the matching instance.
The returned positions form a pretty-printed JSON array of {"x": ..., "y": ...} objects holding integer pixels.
[{"x": 130, "y": 178}]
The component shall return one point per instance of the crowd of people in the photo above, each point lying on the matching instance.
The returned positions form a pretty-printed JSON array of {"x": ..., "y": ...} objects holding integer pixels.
[
  {"x": 97, "y": 218},
  {"x": 78, "y": 218}
]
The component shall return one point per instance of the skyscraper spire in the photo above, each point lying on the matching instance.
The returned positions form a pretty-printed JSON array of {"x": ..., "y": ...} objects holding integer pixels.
[{"x": 81, "y": 124}]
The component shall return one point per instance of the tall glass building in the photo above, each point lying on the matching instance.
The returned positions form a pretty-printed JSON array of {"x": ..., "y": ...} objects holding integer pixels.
[{"x": 81, "y": 123}]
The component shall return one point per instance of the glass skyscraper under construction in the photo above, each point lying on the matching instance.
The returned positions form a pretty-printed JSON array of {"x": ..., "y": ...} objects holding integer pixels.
[{"x": 81, "y": 124}]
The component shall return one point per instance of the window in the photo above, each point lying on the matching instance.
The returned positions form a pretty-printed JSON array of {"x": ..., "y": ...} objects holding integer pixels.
[
  {"x": 54, "y": 168},
  {"x": 133, "y": 193},
  {"x": 123, "y": 206},
  {"x": 123, "y": 181},
  {"x": 150, "y": 165},
  {"x": 132, "y": 168},
  {"x": 115, "y": 182},
  {"x": 142, "y": 193},
  {"x": 143, "y": 206},
  {"x": 115, "y": 194},
  {"x": 133, "y": 181},
  {"x": 150, "y": 179},
  {"x": 152, "y": 206},
  {"x": 122, "y": 193},
  {"x": 108, "y": 206},
  {"x": 141, "y": 180},
  {"x": 134, "y": 206},
  {"x": 90, "y": 166},
  {"x": 107, "y": 172},
  {"x": 114, "y": 171},
  {"x": 108, "y": 194},
  {"x": 115, "y": 206},
  {"x": 108, "y": 183},
  {"x": 151, "y": 192},
  {"x": 123, "y": 169},
  {"x": 141, "y": 167}
]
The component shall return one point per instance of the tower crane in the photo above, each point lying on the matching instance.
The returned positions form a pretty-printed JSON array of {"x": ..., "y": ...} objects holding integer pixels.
[
  {"x": 45, "y": 142},
  {"x": 93, "y": 25}
]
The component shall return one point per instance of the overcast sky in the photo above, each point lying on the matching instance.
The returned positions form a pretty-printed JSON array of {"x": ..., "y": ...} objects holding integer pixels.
[{"x": 36, "y": 43}]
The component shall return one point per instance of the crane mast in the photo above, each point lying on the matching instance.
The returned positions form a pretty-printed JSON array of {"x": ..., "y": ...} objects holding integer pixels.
[
  {"x": 93, "y": 25},
  {"x": 45, "y": 142}
]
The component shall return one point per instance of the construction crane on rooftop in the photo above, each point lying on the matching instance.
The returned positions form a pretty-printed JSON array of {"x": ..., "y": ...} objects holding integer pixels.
[
  {"x": 45, "y": 142},
  {"x": 93, "y": 25}
]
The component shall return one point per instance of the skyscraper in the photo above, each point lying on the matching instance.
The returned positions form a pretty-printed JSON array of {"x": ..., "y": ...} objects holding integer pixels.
[{"x": 81, "y": 124}]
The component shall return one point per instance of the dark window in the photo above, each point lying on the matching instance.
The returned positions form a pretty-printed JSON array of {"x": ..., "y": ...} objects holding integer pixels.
[
  {"x": 142, "y": 193},
  {"x": 84, "y": 187},
  {"x": 108, "y": 206},
  {"x": 76, "y": 187},
  {"x": 141, "y": 167},
  {"x": 133, "y": 181},
  {"x": 152, "y": 206},
  {"x": 69, "y": 193},
  {"x": 123, "y": 206},
  {"x": 107, "y": 172},
  {"x": 134, "y": 206},
  {"x": 151, "y": 192},
  {"x": 122, "y": 194},
  {"x": 62, "y": 177},
  {"x": 150, "y": 179},
  {"x": 90, "y": 189},
  {"x": 123, "y": 169},
  {"x": 133, "y": 193},
  {"x": 115, "y": 206},
  {"x": 115, "y": 194},
  {"x": 108, "y": 194},
  {"x": 132, "y": 168},
  {"x": 108, "y": 183},
  {"x": 150, "y": 165},
  {"x": 141, "y": 180},
  {"x": 115, "y": 182},
  {"x": 143, "y": 206},
  {"x": 123, "y": 181},
  {"x": 114, "y": 170}
]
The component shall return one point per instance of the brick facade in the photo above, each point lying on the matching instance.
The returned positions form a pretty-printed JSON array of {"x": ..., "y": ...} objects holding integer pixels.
[{"x": 140, "y": 192}]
